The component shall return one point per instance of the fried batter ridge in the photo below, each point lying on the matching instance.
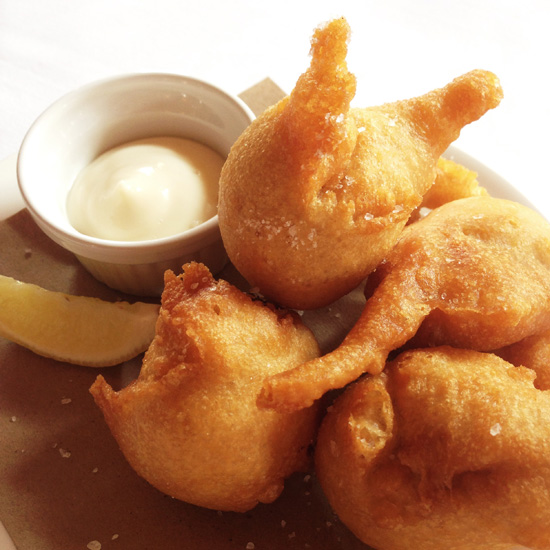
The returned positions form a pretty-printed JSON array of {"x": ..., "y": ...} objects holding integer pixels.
[
  {"x": 532, "y": 352},
  {"x": 453, "y": 181}
]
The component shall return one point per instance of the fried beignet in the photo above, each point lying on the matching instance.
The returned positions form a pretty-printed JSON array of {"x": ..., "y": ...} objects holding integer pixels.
[
  {"x": 474, "y": 273},
  {"x": 452, "y": 182},
  {"x": 532, "y": 352},
  {"x": 446, "y": 448},
  {"x": 189, "y": 424},
  {"x": 315, "y": 193}
]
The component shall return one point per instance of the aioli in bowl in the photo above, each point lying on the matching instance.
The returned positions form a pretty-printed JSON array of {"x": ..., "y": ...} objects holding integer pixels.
[{"x": 146, "y": 189}]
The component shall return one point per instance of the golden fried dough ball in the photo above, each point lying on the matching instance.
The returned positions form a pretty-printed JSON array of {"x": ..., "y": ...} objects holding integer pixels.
[
  {"x": 446, "y": 448},
  {"x": 189, "y": 424},
  {"x": 474, "y": 273},
  {"x": 315, "y": 193}
]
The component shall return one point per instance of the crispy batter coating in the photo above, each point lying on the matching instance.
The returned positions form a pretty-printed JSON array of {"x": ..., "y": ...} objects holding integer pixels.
[
  {"x": 189, "y": 424},
  {"x": 474, "y": 273},
  {"x": 315, "y": 193},
  {"x": 452, "y": 182},
  {"x": 532, "y": 352},
  {"x": 446, "y": 448}
]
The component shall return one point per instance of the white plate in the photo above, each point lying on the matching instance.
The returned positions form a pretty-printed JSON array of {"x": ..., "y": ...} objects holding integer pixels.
[{"x": 496, "y": 185}]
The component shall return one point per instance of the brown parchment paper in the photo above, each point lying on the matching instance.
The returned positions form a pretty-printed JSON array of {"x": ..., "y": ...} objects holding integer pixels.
[{"x": 63, "y": 481}]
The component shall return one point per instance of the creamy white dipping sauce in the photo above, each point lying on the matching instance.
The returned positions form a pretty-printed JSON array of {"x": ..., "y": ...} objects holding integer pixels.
[{"x": 146, "y": 189}]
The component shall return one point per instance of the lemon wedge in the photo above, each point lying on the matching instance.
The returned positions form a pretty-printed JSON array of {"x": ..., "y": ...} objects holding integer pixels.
[{"x": 76, "y": 329}]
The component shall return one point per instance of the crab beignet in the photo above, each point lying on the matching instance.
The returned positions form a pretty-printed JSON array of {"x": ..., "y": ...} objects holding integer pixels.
[
  {"x": 446, "y": 448},
  {"x": 474, "y": 273},
  {"x": 314, "y": 193},
  {"x": 189, "y": 424}
]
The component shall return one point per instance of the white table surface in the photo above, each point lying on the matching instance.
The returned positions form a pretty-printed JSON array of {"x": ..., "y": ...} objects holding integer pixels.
[{"x": 398, "y": 49}]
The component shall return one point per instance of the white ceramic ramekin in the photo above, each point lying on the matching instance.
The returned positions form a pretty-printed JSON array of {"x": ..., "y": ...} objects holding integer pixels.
[{"x": 87, "y": 122}]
